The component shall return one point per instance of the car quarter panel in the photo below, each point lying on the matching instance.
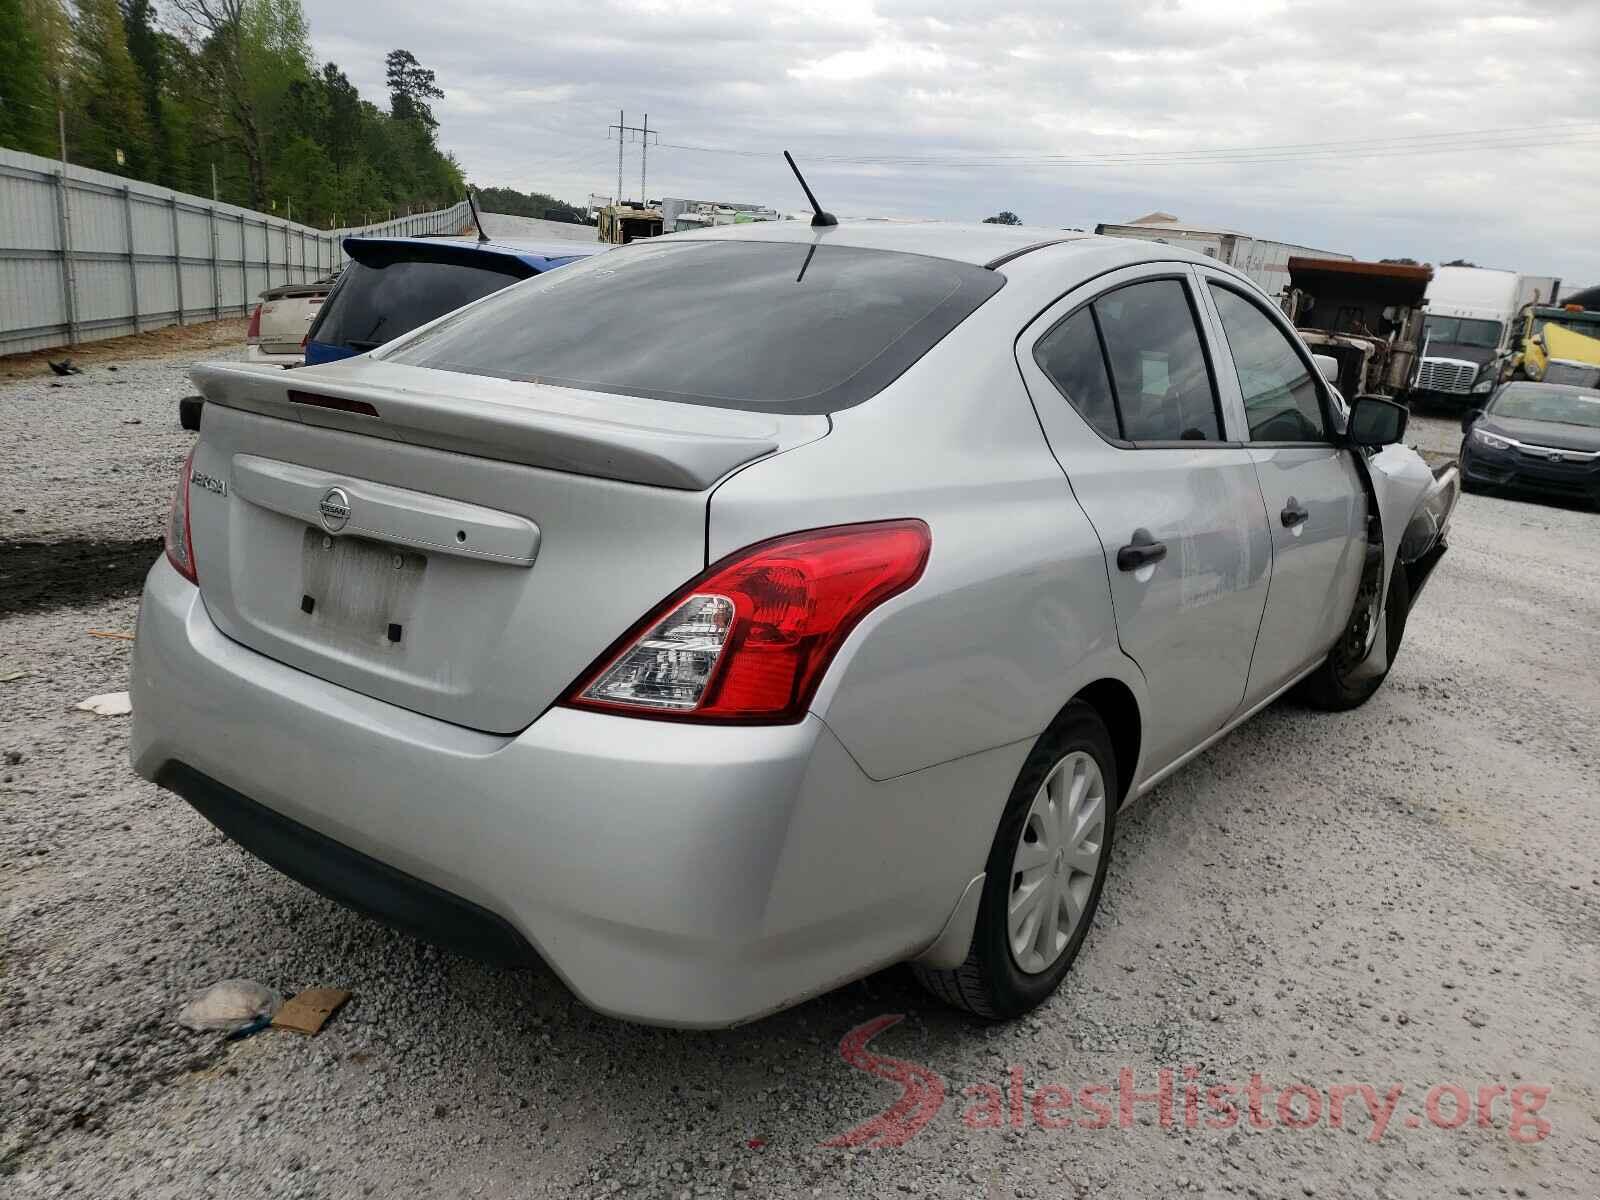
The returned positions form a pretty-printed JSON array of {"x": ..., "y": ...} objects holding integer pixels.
[{"x": 1012, "y": 615}]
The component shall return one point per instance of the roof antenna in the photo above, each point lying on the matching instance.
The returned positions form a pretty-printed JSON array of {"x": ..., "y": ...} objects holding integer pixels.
[
  {"x": 472, "y": 203},
  {"x": 821, "y": 218}
]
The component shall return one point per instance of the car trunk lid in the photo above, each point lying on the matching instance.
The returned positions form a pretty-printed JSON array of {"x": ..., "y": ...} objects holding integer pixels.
[
  {"x": 286, "y": 316},
  {"x": 460, "y": 546}
]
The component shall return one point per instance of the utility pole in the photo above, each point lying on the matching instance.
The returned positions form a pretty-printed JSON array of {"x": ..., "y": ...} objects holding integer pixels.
[
  {"x": 622, "y": 124},
  {"x": 214, "y": 194},
  {"x": 645, "y": 134},
  {"x": 69, "y": 281}
]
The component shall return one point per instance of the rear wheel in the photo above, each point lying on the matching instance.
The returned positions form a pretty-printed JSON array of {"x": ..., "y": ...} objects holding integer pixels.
[
  {"x": 1332, "y": 687},
  {"x": 1046, "y": 868}
]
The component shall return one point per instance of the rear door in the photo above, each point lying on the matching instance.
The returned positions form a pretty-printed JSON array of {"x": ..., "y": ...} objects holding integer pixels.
[
  {"x": 1121, "y": 379},
  {"x": 1316, "y": 505}
]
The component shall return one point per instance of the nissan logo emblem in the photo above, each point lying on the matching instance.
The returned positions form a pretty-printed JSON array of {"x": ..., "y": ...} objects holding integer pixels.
[{"x": 335, "y": 509}]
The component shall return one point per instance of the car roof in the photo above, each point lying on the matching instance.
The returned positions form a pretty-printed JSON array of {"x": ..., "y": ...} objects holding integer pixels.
[
  {"x": 982, "y": 245},
  {"x": 541, "y": 256},
  {"x": 979, "y": 244}
]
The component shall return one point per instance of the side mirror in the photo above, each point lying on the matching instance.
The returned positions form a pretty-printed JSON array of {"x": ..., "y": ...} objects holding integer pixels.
[
  {"x": 1470, "y": 418},
  {"x": 1377, "y": 421},
  {"x": 1329, "y": 366}
]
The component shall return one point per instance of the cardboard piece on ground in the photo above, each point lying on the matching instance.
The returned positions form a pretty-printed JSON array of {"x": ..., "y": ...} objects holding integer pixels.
[
  {"x": 112, "y": 704},
  {"x": 309, "y": 1011}
]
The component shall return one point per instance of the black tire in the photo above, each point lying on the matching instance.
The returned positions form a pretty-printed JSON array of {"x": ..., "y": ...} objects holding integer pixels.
[
  {"x": 1328, "y": 689},
  {"x": 990, "y": 984}
]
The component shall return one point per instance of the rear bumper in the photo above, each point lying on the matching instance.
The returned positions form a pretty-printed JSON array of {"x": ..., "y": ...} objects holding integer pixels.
[
  {"x": 255, "y": 354},
  {"x": 353, "y": 879},
  {"x": 683, "y": 875}
]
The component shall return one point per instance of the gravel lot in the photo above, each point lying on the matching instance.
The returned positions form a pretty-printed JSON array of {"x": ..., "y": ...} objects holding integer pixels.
[{"x": 1408, "y": 894}]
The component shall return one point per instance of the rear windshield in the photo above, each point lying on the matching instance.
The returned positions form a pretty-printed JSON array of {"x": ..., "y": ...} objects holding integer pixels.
[
  {"x": 776, "y": 326},
  {"x": 387, "y": 292}
]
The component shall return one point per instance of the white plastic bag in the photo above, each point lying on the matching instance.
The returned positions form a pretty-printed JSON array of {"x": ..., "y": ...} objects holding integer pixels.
[{"x": 231, "y": 1004}]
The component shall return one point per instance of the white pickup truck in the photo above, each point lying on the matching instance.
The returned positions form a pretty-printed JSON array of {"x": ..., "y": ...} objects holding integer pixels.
[{"x": 279, "y": 323}]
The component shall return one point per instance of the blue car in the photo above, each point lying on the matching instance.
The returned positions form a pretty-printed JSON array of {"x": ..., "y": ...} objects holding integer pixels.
[{"x": 393, "y": 285}]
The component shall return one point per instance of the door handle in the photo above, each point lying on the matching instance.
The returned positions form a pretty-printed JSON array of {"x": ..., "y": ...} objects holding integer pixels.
[
  {"x": 1293, "y": 514},
  {"x": 1140, "y": 552}
]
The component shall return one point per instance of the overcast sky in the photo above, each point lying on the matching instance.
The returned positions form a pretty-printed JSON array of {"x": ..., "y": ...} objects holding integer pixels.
[{"x": 999, "y": 88}]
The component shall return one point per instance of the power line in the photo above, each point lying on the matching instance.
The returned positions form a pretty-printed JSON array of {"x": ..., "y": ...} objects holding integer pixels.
[
  {"x": 645, "y": 134},
  {"x": 1580, "y": 132},
  {"x": 1453, "y": 135}
]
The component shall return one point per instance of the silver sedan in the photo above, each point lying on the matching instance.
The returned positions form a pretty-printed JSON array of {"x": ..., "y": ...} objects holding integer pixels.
[{"x": 737, "y": 613}]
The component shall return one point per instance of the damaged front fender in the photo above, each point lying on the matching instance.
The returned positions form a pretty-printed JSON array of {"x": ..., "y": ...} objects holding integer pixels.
[{"x": 1413, "y": 506}]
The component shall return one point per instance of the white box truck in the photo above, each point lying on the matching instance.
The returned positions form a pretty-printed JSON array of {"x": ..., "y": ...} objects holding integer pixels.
[{"x": 1265, "y": 261}]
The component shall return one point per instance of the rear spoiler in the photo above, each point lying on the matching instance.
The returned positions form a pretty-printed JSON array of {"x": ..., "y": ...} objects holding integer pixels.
[{"x": 563, "y": 429}]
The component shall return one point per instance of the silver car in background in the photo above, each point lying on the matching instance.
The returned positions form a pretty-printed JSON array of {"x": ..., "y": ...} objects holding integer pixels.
[{"x": 736, "y": 613}]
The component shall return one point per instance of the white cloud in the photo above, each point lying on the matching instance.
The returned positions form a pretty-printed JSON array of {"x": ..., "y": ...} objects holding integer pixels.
[
  {"x": 884, "y": 58},
  {"x": 980, "y": 94}
]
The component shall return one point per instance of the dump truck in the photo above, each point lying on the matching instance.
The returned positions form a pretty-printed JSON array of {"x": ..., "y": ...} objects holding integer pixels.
[
  {"x": 1557, "y": 344},
  {"x": 620, "y": 224},
  {"x": 1367, "y": 316}
]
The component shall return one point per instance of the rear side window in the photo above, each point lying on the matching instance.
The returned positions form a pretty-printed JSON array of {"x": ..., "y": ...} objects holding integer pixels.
[
  {"x": 776, "y": 326},
  {"x": 1158, "y": 365},
  {"x": 1280, "y": 396},
  {"x": 1070, "y": 355},
  {"x": 381, "y": 296}
]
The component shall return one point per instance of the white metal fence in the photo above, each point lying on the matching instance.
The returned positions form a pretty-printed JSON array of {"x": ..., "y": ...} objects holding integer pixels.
[{"x": 90, "y": 255}]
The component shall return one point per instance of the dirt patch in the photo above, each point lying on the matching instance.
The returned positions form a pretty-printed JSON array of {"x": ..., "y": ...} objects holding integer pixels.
[
  {"x": 174, "y": 339},
  {"x": 40, "y": 576}
]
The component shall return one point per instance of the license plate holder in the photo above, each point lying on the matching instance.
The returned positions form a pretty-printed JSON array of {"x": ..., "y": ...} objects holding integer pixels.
[{"x": 355, "y": 588}]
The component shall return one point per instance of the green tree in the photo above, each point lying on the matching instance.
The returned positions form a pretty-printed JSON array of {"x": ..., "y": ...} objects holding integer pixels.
[
  {"x": 411, "y": 86},
  {"x": 52, "y": 30},
  {"x": 108, "y": 105},
  {"x": 249, "y": 52},
  {"x": 147, "y": 49},
  {"x": 26, "y": 102},
  {"x": 530, "y": 204},
  {"x": 1003, "y": 218},
  {"x": 342, "y": 134},
  {"x": 234, "y": 92}
]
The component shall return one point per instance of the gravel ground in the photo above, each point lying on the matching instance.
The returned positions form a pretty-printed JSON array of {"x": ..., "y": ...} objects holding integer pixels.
[{"x": 1407, "y": 894}]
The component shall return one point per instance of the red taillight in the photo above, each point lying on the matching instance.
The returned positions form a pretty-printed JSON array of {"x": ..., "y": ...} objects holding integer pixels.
[
  {"x": 750, "y": 639},
  {"x": 180, "y": 547},
  {"x": 252, "y": 335}
]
